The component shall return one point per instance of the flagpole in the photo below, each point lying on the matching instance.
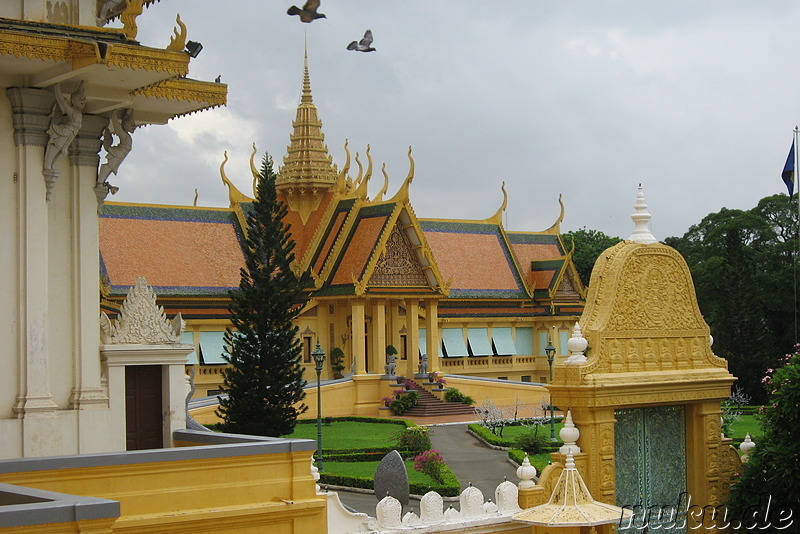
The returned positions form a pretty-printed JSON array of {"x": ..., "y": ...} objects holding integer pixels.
[{"x": 797, "y": 239}]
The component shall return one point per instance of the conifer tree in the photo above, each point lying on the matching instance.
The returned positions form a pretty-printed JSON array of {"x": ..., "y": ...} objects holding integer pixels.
[{"x": 264, "y": 382}]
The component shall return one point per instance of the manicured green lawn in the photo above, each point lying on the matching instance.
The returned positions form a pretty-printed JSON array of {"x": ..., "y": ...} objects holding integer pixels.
[
  {"x": 349, "y": 434},
  {"x": 746, "y": 424},
  {"x": 513, "y": 432},
  {"x": 367, "y": 470}
]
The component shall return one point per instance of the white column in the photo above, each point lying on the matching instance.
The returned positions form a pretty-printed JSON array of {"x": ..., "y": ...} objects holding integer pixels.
[
  {"x": 86, "y": 390},
  {"x": 30, "y": 108}
]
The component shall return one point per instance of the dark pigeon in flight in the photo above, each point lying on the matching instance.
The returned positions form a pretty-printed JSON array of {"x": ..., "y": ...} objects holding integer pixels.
[
  {"x": 364, "y": 45},
  {"x": 309, "y": 11}
]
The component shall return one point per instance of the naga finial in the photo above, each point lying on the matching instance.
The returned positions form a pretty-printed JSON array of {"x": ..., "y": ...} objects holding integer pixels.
[
  {"x": 379, "y": 196},
  {"x": 133, "y": 8},
  {"x": 254, "y": 171},
  {"x": 178, "y": 40}
]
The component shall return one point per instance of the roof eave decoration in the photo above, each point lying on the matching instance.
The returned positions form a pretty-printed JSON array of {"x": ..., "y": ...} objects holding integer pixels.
[
  {"x": 497, "y": 218},
  {"x": 178, "y": 97}
]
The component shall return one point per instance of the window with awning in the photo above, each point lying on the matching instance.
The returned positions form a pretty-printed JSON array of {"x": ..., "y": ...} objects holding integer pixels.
[
  {"x": 503, "y": 342},
  {"x": 479, "y": 341},
  {"x": 188, "y": 339},
  {"x": 524, "y": 342},
  {"x": 453, "y": 340},
  {"x": 212, "y": 346}
]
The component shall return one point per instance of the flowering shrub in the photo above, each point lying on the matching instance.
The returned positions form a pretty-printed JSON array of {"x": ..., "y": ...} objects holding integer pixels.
[
  {"x": 415, "y": 439},
  {"x": 773, "y": 468},
  {"x": 387, "y": 400},
  {"x": 430, "y": 463},
  {"x": 404, "y": 402}
]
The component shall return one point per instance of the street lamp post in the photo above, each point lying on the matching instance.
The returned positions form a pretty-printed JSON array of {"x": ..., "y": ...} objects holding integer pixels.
[
  {"x": 550, "y": 350},
  {"x": 319, "y": 358}
]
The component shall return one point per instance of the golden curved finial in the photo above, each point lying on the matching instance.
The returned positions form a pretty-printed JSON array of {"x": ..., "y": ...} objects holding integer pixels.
[
  {"x": 133, "y": 8},
  {"x": 379, "y": 196},
  {"x": 195, "y": 197},
  {"x": 254, "y": 171},
  {"x": 402, "y": 193},
  {"x": 342, "y": 182},
  {"x": 178, "y": 40},
  {"x": 360, "y": 172},
  {"x": 497, "y": 218},
  {"x": 556, "y": 228},
  {"x": 362, "y": 188},
  {"x": 234, "y": 194}
]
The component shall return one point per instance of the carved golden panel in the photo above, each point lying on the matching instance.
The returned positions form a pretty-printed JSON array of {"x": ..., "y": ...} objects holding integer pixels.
[{"x": 398, "y": 265}]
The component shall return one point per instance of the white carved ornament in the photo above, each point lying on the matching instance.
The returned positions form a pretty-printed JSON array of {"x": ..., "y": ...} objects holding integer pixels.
[{"x": 141, "y": 321}]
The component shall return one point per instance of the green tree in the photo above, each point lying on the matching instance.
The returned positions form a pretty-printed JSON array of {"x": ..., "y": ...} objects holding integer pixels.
[
  {"x": 742, "y": 266},
  {"x": 589, "y": 244},
  {"x": 264, "y": 383},
  {"x": 773, "y": 469}
]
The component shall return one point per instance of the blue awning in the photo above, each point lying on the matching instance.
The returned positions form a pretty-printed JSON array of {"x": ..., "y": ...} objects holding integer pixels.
[
  {"x": 188, "y": 339},
  {"x": 479, "y": 341},
  {"x": 453, "y": 339},
  {"x": 503, "y": 342},
  {"x": 212, "y": 346}
]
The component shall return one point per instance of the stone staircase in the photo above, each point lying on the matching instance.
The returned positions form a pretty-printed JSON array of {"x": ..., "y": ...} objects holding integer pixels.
[{"x": 430, "y": 406}]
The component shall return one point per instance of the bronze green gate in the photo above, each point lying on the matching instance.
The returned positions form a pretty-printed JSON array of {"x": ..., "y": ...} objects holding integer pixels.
[{"x": 650, "y": 459}]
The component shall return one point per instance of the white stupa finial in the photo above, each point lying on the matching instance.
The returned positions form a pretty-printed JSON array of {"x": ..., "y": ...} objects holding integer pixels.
[
  {"x": 641, "y": 220},
  {"x": 576, "y": 345}
]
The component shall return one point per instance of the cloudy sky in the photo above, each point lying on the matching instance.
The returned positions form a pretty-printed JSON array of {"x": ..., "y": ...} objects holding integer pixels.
[{"x": 695, "y": 100}]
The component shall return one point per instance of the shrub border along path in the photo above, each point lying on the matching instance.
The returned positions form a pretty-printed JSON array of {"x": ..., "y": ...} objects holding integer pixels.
[{"x": 450, "y": 486}]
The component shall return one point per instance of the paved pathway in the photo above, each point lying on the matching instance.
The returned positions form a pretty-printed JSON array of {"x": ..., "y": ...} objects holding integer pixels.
[
  {"x": 467, "y": 457},
  {"x": 471, "y": 461}
]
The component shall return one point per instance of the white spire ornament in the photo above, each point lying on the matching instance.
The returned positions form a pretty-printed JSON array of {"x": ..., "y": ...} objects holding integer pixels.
[
  {"x": 576, "y": 345},
  {"x": 641, "y": 220}
]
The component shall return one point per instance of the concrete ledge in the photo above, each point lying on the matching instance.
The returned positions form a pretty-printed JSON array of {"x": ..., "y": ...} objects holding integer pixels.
[
  {"x": 21, "y": 507},
  {"x": 210, "y": 445}
]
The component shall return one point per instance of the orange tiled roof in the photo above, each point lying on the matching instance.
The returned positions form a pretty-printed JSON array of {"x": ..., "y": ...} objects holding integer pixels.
[
  {"x": 530, "y": 248},
  {"x": 181, "y": 251},
  {"x": 362, "y": 242},
  {"x": 303, "y": 233},
  {"x": 475, "y": 257}
]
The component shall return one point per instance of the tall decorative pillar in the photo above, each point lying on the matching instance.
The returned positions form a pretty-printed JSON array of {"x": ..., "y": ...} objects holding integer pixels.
[
  {"x": 378, "y": 343},
  {"x": 432, "y": 334},
  {"x": 357, "y": 335},
  {"x": 30, "y": 115},
  {"x": 412, "y": 323},
  {"x": 394, "y": 324}
]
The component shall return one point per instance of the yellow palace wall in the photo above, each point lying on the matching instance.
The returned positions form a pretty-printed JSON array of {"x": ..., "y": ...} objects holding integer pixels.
[{"x": 187, "y": 496}]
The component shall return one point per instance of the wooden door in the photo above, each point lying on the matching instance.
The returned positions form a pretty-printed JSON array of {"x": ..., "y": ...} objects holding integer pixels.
[{"x": 143, "y": 412}]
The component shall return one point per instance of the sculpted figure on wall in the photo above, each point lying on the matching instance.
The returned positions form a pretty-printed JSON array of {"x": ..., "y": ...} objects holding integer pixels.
[
  {"x": 67, "y": 118},
  {"x": 115, "y": 154}
]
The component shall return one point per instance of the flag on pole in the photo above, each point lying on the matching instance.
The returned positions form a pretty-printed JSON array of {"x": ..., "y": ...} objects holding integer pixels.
[{"x": 788, "y": 171}]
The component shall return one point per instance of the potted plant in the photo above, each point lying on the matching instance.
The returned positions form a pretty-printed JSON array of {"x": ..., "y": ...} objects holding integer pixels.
[
  {"x": 441, "y": 383},
  {"x": 337, "y": 365}
]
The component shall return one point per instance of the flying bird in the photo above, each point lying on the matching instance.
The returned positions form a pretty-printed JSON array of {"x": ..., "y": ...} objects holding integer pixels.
[
  {"x": 364, "y": 45},
  {"x": 309, "y": 11}
]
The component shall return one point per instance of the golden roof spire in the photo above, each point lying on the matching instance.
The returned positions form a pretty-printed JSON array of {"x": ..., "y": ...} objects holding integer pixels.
[{"x": 307, "y": 164}]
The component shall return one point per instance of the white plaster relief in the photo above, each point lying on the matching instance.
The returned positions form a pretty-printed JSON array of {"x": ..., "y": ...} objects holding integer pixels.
[{"x": 141, "y": 321}]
